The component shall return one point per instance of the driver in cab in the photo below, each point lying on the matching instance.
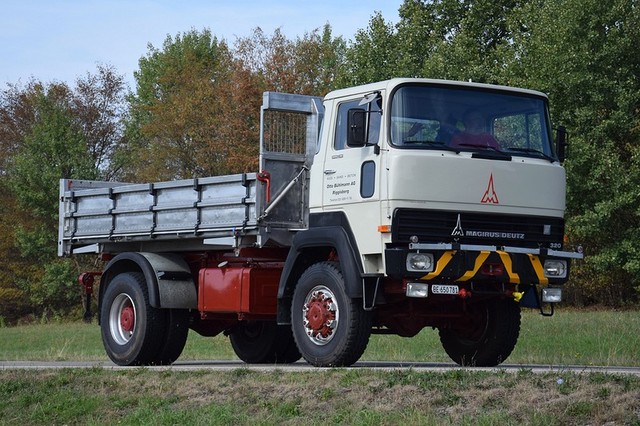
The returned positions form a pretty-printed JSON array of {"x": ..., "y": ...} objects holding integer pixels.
[{"x": 475, "y": 134}]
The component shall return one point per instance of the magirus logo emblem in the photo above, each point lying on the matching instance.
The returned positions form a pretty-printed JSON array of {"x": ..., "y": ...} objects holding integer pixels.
[
  {"x": 490, "y": 196},
  {"x": 457, "y": 231}
]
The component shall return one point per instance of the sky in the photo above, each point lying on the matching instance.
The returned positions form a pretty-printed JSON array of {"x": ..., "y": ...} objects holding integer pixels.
[{"x": 61, "y": 40}]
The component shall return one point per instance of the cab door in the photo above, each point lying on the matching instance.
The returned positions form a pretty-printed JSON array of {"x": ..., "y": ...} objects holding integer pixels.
[{"x": 351, "y": 175}]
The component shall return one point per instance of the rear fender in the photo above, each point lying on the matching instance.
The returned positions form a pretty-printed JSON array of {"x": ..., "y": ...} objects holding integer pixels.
[{"x": 169, "y": 280}]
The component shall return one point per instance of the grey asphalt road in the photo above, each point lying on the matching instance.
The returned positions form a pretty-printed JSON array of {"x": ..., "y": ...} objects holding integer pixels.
[{"x": 303, "y": 366}]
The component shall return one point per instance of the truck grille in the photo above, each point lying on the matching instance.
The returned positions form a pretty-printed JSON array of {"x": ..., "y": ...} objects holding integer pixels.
[{"x": 476, "y": 228}]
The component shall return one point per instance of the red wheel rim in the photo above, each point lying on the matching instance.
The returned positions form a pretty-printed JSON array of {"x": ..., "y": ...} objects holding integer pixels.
[{"x": 320, "y": 315}]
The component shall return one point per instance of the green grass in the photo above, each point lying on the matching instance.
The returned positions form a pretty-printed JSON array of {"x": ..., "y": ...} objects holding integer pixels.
[
  {"x": 582, "y": 338},
  {"x": 603, "y": 338},
  {"x": 82, "y": 342},
  {"x": 328, "y": 396},
  {"x": 332, "y": 396},
  {"x": 570, "y": 337}
]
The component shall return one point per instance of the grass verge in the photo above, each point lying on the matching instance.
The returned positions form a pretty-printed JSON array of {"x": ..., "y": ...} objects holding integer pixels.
[
  {"x": 325, "y": 396},
  {"x": 341, "y": 396}
]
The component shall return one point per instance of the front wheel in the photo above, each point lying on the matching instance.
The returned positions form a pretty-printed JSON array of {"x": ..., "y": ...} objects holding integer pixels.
[
  {"x": 490, "y": 335},
  {"x": 329, "y": 327}
]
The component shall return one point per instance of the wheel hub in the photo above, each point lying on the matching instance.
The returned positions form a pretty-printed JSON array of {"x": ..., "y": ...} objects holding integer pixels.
[
  {"x": 320, "y": 315},
  {"x": 122, "y": 319},
  {"x": 127, "y": 318}
]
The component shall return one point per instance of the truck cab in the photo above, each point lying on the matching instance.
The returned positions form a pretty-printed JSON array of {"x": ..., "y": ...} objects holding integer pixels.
[{"x": 419, "y": 157}]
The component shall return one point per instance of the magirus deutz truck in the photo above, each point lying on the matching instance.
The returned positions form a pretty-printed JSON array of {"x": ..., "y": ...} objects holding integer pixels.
[{"x": 384, "y": 208}]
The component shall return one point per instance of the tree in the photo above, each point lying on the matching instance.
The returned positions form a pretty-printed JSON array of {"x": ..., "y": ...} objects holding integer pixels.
[
  {"x": 17, "y": 114},
  {"x": 49, "y": 132},
  {"x": 583, "y": 54},
  {"x": 319, "y": 60},
  {"x": 374, "y": 55},
  {"x": 451, "y": 39},
  {"x": 98, "y": 104},
  {"x": 307, "y": 65},
  {"x": 53, "y": 149},
  {"x": 457, "y": 39},
  {"x": 173, "y": 130},
  {"x": 269, "y": 58},
  {"x": 14, "y": 300},
  {"x": 196, "y": 110}
]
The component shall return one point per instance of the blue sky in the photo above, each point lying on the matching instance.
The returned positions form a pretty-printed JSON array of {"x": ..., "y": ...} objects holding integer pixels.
[{"x": 63, "y": 39}]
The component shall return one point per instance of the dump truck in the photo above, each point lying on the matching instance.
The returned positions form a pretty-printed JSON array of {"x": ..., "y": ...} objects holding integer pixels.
[{"x": 383, "y": 208}]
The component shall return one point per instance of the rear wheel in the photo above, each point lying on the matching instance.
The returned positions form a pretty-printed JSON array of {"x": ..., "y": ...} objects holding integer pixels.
[
  {"x": 492, "y": 332},
  {"x": 133, "y": 332},
  {"x": 329, "y": 327},
  {"x": 264, "y": 342},
  {"x": 176, "y": 336}
]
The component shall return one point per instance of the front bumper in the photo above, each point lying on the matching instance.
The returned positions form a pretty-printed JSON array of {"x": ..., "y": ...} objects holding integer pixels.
[{"x": 460, "y": 263}]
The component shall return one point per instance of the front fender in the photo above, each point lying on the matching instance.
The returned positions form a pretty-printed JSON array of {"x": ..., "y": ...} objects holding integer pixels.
[{"x": 312, "y": 246}]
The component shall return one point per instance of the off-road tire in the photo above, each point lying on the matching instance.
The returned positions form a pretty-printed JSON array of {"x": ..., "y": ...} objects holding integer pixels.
[
  {"x": 133, "y": 332},
  {"x": 175, "y": 338},
  {"x": 491, "y": 337},
  {"x": 318, "y": 299},
  {"x": 264, "y": 342}
]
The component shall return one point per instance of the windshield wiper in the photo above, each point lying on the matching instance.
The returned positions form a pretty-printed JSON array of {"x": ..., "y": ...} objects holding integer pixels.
[
  {"x": 477, "y": 145},
  {"x": 430, "y": 143},
  {"x": 487, "y": 152},
  {"x": 532, "y": 151}
]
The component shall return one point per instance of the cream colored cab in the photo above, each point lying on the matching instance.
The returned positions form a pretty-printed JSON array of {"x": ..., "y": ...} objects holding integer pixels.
[{"x": 436, "y": 146}]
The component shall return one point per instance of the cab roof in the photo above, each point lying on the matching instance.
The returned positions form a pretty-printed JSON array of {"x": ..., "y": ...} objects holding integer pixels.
[{"x": 394, "y": 82}]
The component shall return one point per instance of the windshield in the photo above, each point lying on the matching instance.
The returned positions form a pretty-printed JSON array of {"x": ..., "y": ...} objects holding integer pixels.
[{"x": 464, "y": 119}]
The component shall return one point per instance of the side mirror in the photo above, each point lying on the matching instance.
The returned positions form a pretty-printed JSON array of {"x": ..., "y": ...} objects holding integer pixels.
[
  {"x": 357, "y": 127},
  {"x": 562, "y": 141}
]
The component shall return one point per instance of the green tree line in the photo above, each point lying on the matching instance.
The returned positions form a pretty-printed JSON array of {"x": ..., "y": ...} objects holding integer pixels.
[{"x": 194, "y": 111}]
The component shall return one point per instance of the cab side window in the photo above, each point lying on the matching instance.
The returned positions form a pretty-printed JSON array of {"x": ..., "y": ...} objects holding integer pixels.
[{"x": 374, "y": 119}]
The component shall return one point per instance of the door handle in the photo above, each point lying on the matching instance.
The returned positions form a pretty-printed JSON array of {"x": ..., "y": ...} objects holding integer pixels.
[{"x": 329, "y": 172}]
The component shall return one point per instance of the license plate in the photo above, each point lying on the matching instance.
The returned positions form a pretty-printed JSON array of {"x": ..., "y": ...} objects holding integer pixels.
[{"x": 444, "y": 289}]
